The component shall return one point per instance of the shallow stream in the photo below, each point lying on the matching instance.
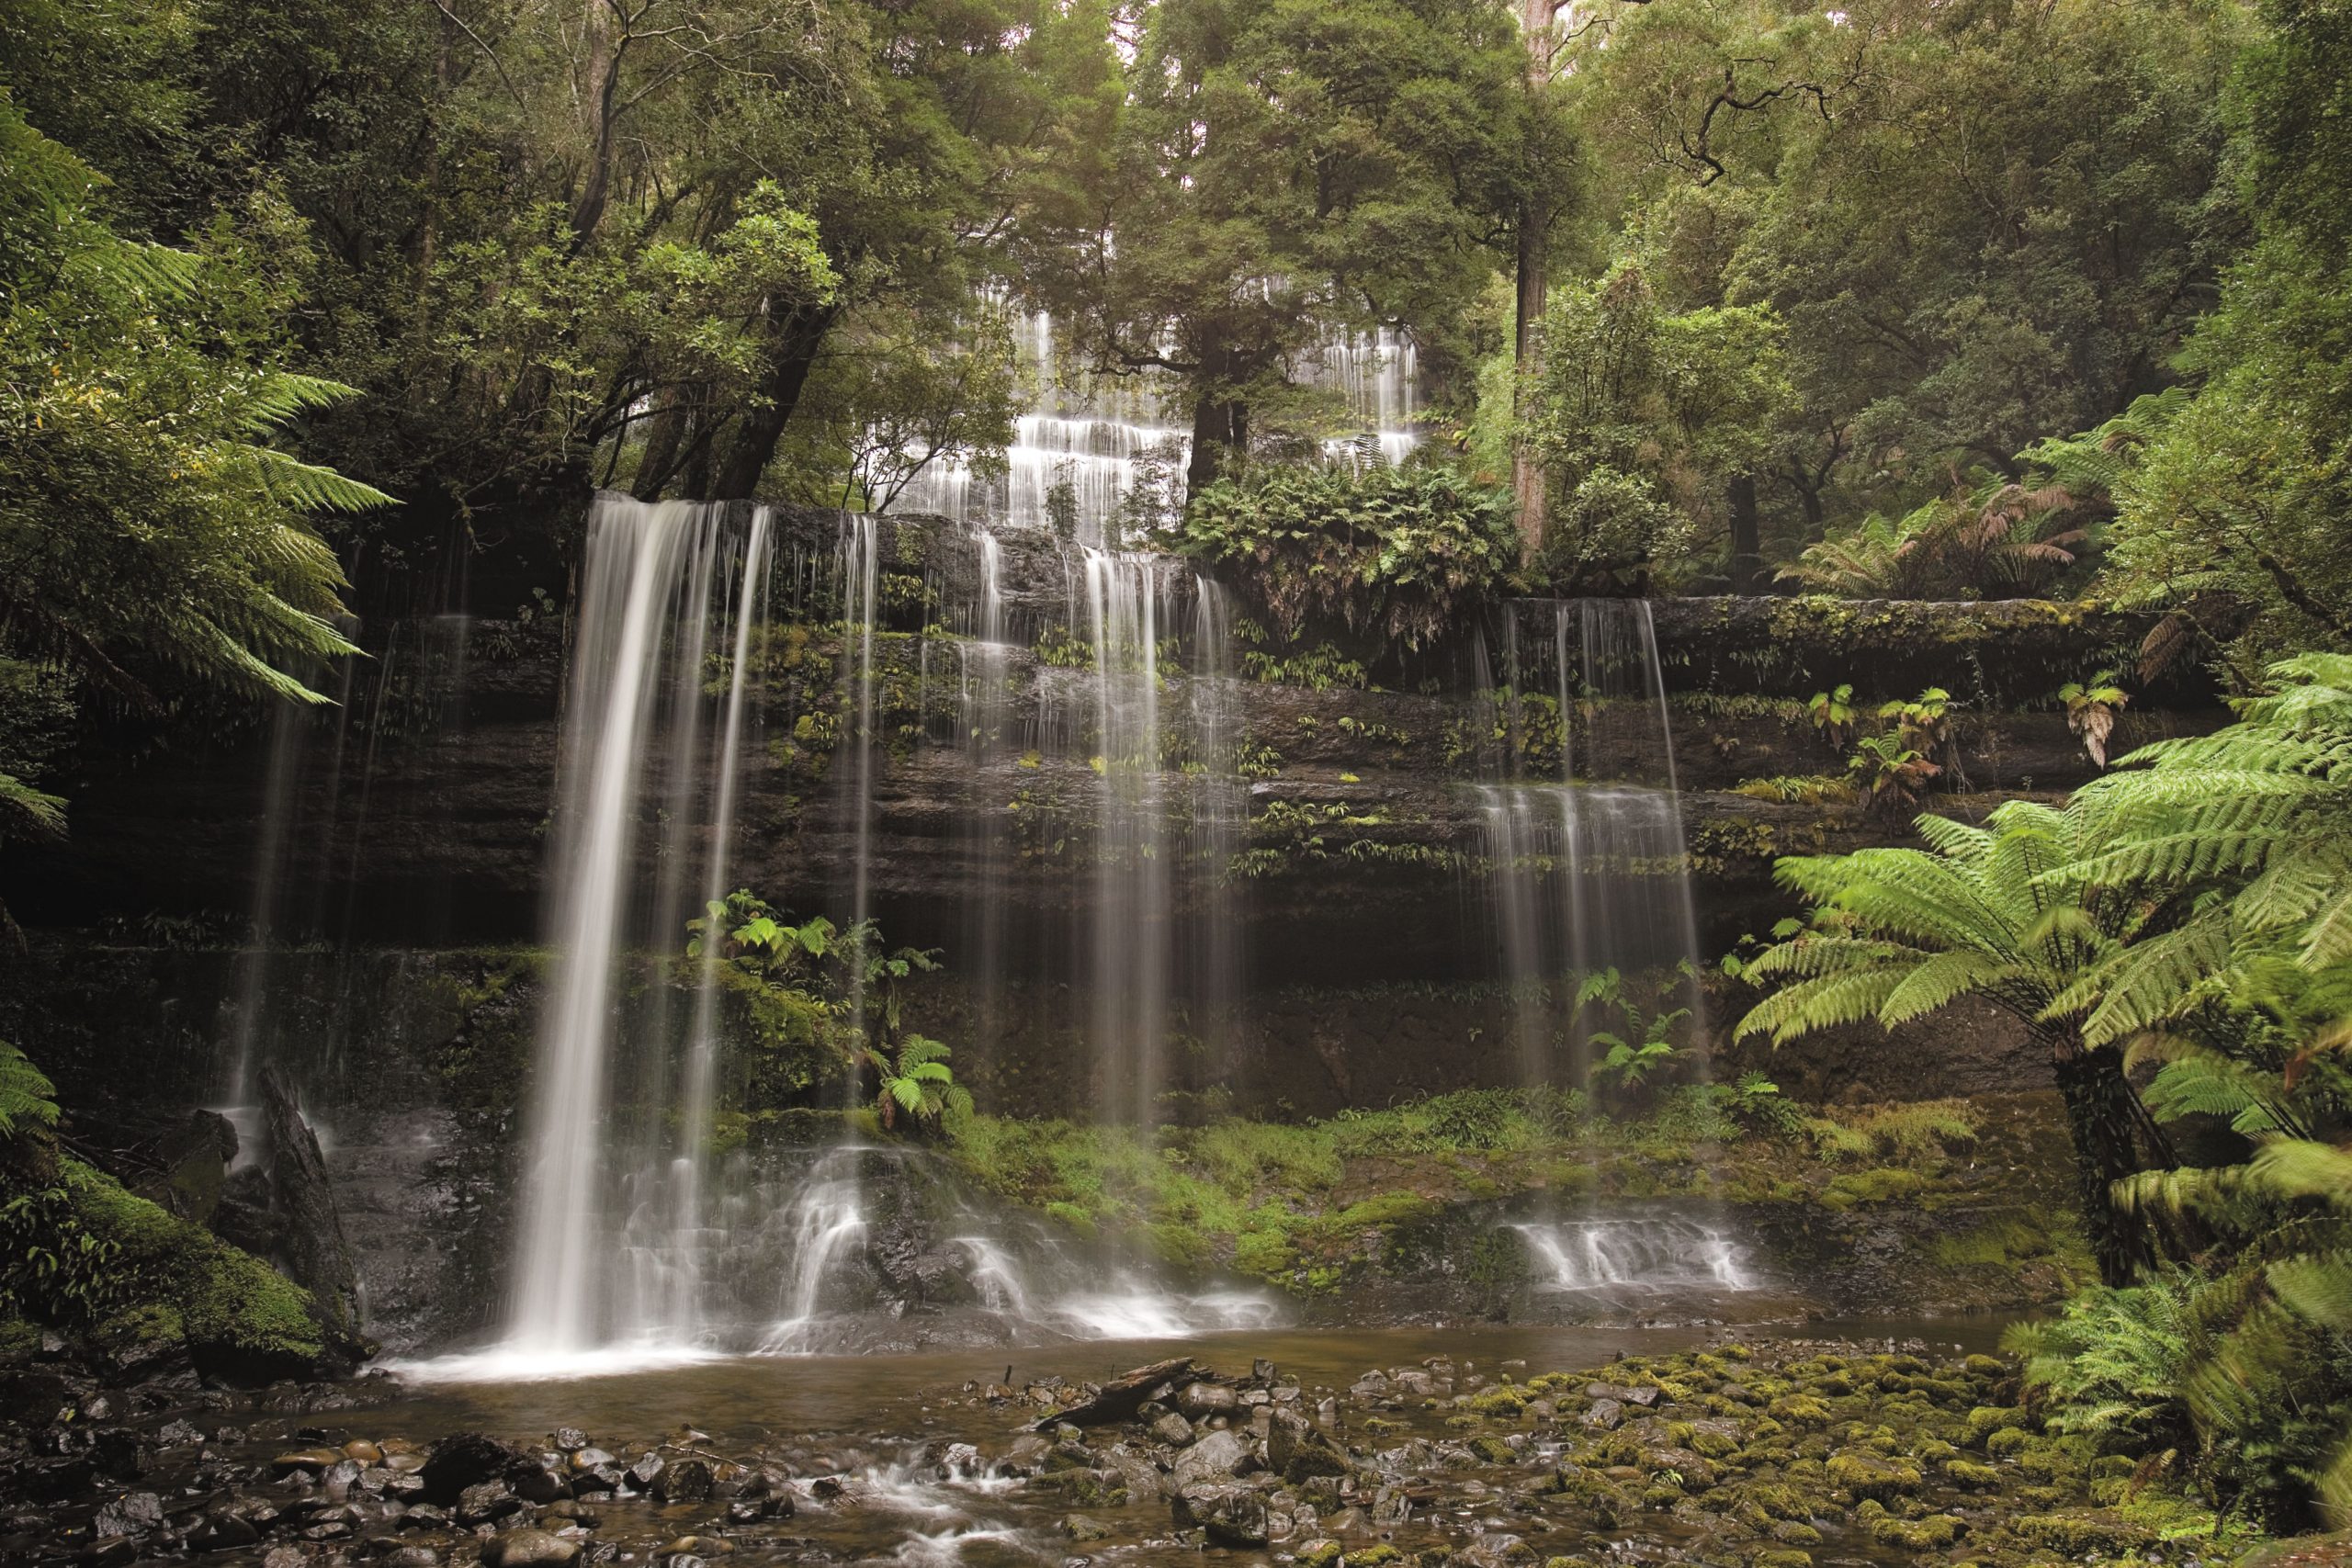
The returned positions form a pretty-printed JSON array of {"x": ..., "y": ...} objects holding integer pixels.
[{"x": 889, "y": 1425}]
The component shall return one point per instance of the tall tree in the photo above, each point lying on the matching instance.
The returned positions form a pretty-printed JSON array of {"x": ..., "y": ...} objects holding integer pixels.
[{"x": 1280, "y": 172}]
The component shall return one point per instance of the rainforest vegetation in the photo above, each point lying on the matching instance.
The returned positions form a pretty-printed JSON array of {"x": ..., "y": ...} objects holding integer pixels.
[{"x": 328, "y": 315}]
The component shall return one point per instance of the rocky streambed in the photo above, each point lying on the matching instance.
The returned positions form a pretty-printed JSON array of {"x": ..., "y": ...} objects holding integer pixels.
[{"x": 1767, "y": 1451}]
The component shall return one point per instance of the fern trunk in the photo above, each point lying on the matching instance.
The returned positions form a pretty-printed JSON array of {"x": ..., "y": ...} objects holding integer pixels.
[{"x": 2106, "y": 1119}]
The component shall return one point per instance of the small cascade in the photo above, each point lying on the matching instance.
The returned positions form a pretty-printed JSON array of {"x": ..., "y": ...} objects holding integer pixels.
[
  {"x": 1588, "y": 869},
  {"x": 1378, "y": 375},
  {"x": 827, "y": 1223},
  {"x": 1636, "y": 1255},
  {"x": 1100, "y": 437}
]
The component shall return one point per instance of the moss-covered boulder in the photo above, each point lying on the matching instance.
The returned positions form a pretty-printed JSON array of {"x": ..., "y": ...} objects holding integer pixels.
[{"x": 155, "y": 1280}]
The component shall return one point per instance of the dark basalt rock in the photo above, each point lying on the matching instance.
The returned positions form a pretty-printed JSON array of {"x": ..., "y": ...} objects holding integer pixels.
[{"x": 464, "y": 1460}]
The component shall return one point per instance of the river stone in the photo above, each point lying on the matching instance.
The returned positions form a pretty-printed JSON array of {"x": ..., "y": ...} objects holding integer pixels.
[
  {"x": 1495, "y": 1551},
  {"x": 1220, "y": 1456},
  {"x": 688, "y": 1546},
  {"x": 485, "y": 1503},
  {"x": 359, "y": 1451},
  {"x": 1170, "y": 1428},
  {"x": 646, "y": 1472},
  {"x": 1606, "y": 1415},
  {"x": 688, "y": 1481},
  {"x": 1233, "y": 1515},
  {"x": 568, "y": 1439},
  {"x": 221, "y": 1532},
  {"x": 534, "y": 1485},
  {"x": 1077, "y": 1527},
  {"x": 134, "y": 1514},
  {"x": 1298, "y": 1452},
  {"x": 1200, "y": 1399},
  {"x": 466, "y": 1459},
  {"x": 307, "y": 1459},
  {"x": 530, "y": 1549},
  {"x": 587, "y": 1459}
]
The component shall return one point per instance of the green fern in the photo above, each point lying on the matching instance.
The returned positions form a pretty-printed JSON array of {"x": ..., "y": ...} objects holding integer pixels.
[{"x": 26, "y": 1097}]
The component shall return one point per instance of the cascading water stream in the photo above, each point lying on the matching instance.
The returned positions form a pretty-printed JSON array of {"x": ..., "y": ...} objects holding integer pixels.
[
  {"x": 1649, "y": 1255},
  {"x": 1589, "y": 874},
  {"x": 687, "y": 1296},
  {"x": 634, "y": 709},
  {"x": 1129, "y": 938}
]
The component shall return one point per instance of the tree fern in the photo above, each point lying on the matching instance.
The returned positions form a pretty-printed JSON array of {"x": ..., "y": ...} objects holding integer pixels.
[{"x": 1999, "y": 911}]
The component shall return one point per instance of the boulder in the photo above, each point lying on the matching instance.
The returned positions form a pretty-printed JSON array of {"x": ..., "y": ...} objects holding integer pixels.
[
  {"x": 463, "y": 1459},
  {"x": 1231, "y": 1514},
  {"x": 1220, "y": 1456}
]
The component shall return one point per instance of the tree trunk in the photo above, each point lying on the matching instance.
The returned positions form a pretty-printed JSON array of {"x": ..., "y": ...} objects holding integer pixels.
[
  {"x": 1746, "y": 537},
  {"x": 798, "y": 338},
  {"x": 2105, "y": 1119},
  {"x": 1527, "y": 478},
  {"x": 1527, "y": 483},
  {"x": 1220, "y": 434},
  {"x": 599, "y": 106},
  {"x": 659, "y": 460}
]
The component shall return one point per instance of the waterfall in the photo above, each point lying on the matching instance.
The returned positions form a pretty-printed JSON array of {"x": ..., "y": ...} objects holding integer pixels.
[
  {"x": 1099, "y": 436},
  {"x": 633, "y": 711},
  {"x": 1129, "y": 936},
  {"x": 1641, "y": 1255},
  {"x": 1588, "y": 868},
  {"x": 686, "y": 1306},
  {"x": 983, "y": 710}
]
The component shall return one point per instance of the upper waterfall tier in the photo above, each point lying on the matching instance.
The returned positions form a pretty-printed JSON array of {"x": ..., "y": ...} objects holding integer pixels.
[{"x": 1086, "y": 441}]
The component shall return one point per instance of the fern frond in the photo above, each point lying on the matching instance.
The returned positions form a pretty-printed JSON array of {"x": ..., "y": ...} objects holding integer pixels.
[{"x": 26, "y": 1097}]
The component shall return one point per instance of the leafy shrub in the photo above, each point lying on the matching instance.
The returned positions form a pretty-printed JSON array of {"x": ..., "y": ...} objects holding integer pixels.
[{"x": 1398, "y": 553}]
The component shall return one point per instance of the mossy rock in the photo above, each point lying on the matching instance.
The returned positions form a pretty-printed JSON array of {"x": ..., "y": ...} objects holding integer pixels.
[
  {"x": 1504, "y": 1399},
  {"x": 176, "y": 1282},
  {"x": 1969, "y": 1473},
  {"x": 2007, "y": 1441},
  {"x": 2073, "y": 1535},
  {"x": 1803, "y": 1409},
  {"x": 1932, "y": 1533},
  {"x": 1986, "y": 1419},
  {"x": 1494, "y": 1450},
  {"x": 1873, "y": 1476},
  {"x": 1374, "y": 1556},
  {"x": 1780, "y": 1557}
]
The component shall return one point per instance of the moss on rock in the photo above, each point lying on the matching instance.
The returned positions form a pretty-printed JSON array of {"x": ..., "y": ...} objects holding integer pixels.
[{"x": 170, "y": 1280}]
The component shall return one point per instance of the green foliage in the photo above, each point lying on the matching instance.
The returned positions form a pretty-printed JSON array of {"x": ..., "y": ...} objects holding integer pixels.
[
  {"x": 2091, "y": 707},
  {"x": 27, "y": 1100},
  {"x": 1999, "y": 539},
  {"x": 1832, "y": 712},
  {"x": 1641, "y": 1049},
  {"x": 1400, "y": 553},
  {"x": 1892, "y": 775},
  {"x": 823, "y": 1003},
  {"x": 917, "y": 1084},
  {"x": 1643, "y": 417},
  {"x": 1318, "y": 668}
]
